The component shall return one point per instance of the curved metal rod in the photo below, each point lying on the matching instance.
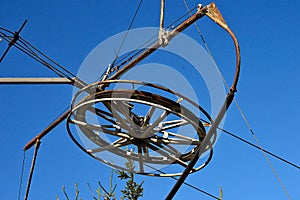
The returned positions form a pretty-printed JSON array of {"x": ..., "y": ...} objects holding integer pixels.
[
  {"x": 95, "y": 86},
  {"x": 214, "y": 14}
]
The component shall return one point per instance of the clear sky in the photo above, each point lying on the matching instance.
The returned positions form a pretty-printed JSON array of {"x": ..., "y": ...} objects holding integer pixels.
[{"x": 268, "y": 93}]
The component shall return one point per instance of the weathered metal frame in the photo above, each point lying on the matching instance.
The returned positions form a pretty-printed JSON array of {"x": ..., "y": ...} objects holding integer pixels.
[
  {"x": 199, "y": 14},
  {"x": 76, "y": 104},
  {"x": 212, "y": 12}
]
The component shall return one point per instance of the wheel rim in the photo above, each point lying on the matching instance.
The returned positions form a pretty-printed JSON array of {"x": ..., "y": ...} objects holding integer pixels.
[{"x": 127, "y": 126}]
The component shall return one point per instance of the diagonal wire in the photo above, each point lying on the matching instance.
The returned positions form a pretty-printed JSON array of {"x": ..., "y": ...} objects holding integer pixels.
[
  {"x": 240, "y": 111},
  {"x": 42, "y": 61},
  {"x": 263, "y": 152},
  {"x": 149, "y": 42},
  {"x": 187, "y": 184},
  {"x": 22, "y": 175},
  {"x": 128, "y": 29},
  {"x": 253, "y": 145},
  {"x": 120, "y": 61},
  {"x": 258, "y": 147},
  {"x": 47, "y": 57},
  {"x": 37, "y": 55},
  {"x": 109, "y": 68}
]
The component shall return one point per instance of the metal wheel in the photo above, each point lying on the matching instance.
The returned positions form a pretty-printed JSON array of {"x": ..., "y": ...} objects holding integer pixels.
[{"x": 152, "y": 131}]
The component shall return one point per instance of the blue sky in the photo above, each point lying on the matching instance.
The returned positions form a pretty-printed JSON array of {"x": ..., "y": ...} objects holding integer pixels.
[{"x": 268, "y": 93}]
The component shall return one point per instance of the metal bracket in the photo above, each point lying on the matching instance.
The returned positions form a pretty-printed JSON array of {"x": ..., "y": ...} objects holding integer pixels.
[
  {"x": 163, "y": 34},
  {"x": 214, "y": 14},
  {"x": 163, "y": 37}
]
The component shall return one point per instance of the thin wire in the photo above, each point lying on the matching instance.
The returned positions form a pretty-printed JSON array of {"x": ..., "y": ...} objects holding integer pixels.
[
  {"x": 187, "y": 184},
  {"x": 206, "y": 47},
  {"x": 108, "y": 71},
  {"x": 263, "y": 152},
  {"x": 66, "y": 71},
  {"x": 38, "y": 55},
  {"x": 258, "y": 147},
  {"x": 129, "y": 27},
  {"x": 22, "y": 175},
  {"x": 153, "y": 39},
  {"x": 144, "y": 46},
  {"x": 4, "y": 29},
  {"x": 241, "y": 112},
  {"x": 34, "y": 56},
  {"x": 31, "y": 53},
  {"x": 50, "y": 59},
  {"x": 255, "y": 146},
  {"x": 41, "y": 61}
]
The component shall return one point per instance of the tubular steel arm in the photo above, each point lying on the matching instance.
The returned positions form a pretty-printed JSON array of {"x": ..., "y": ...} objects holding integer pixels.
[{"x": 36, "y": 81}]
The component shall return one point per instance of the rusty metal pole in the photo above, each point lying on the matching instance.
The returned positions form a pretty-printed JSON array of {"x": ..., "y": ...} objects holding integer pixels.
[
  {"x": 47, "y": 130},
  {"x": 214, "y": 14},
  {"x": 204, "y": 145},
  {"x": 76, "y": 82},
  {"x": 37, "y": 145}
]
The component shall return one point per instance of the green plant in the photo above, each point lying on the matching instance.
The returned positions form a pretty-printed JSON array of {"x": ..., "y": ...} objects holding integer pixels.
[
  {"x": 220, "y": 193},
  {"x": 132, "y": 190}
]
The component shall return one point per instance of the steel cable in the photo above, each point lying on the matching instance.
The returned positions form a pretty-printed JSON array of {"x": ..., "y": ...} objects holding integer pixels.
[{"x": 240, "y": 110}]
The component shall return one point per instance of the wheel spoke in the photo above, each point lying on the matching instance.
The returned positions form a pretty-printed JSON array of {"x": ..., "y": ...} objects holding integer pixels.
[
  {"x": 168, "y": 156},
  {"x": 105, "y": 115},
  {"x": 156, "y": 122},
  {"x": 173, "y": 149},
  {"x": 102, "y": 128},
  {"x": 118, "y": 143},
  {"x": 159, "y": 142},
  {"x": 178, "y": 136},
  {"x": 123, "y": 123},
  {"x": 148, "y": 116},
  {"x": 183, "y": 142},
  {"x": 141, "y": 162},
  {"x": 146, "y": 152},
  {"x": 127, "y": 114},
  {"x": 157, "y": 150},
  {"x": 172, "y": 124}
]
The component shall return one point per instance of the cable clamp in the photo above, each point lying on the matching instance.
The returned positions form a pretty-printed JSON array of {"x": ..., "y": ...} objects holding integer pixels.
[
  {"x": 163, "y": 37},
  {"x": 199, "y": 7}
]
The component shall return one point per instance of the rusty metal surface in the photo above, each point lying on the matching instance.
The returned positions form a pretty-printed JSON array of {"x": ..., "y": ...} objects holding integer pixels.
[
  {"x": 205, "y": 140},
  {"x": 46, "y": 130},
  {"x": 214, "y": 14}
]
